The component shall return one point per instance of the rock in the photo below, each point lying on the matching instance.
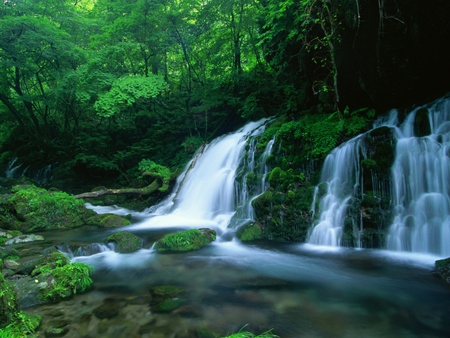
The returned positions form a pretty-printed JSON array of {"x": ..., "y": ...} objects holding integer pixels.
[
  {"x": 56, "y": 331},
  {"x": 106, "y": 311},
  {"x": 168, "y": 305},
  {"x": 249, "y": 232},
  {"x": 189, "y": 311},
  {"x": 35, "y": 209},
  {"x": 10, "y": 264},
  {"x": 9, "y": 304},
  {"x": 442, "y": 269},
  {"x": 108, "y": 221},
  {"x": 160, "y": 293},
  {"x": 125, "y": 242},
  {"x": 25, "y": 239},
  {"x": 193, "y": 239}
]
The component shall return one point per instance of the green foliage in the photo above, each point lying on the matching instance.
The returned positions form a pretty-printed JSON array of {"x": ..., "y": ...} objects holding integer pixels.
[
  {"x": 246, "y": 334},
  {"x": 148, "y": 167},
  {"x": 68, "y": 279},
  {"x": 127, "y": 91},
  {"x": 24, "y": 325}
]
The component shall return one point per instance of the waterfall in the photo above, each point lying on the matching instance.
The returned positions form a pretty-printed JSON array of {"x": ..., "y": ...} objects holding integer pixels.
[
  {"x": 419, "y": 179},
  {"x": 421, "y": 189},
  {"x": 205, "y": 194},
  {"x": 340, "y": 172},
  {"x": 254, "y": 172}
]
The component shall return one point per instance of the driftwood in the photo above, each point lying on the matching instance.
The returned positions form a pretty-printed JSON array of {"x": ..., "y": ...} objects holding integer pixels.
[{"x": 155, "y": 185}]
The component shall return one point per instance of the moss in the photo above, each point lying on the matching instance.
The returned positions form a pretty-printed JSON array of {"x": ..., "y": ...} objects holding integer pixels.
[
  {"x": 249, "y": 232},
  {"x": 168, "y": 305},
  {"x": 189, "y": 240},
  {"x": 125, "y": 241},
  {"x": 67, "y": 280},
  {"x": 108, "y": 221},
  {"x": 38, "y": 209},
  {"x": 9, "y": 306}
]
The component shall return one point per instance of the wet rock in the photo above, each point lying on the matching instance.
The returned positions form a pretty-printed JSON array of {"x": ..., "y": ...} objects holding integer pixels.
[
  {"x": 58, "y": 323},
  {"x": 160, "y": 293},
  {"x": 108, "y": 221},
  {"x": 168, "y": 305},
  {"x": 24, "y": 239},
  {"x": 442, "y": 269},
  {"x": 249, "y": 232},
  {"x": 193, "y": 239},
  {"x": 148, "y": 327},
  {"x": 125, "y": 242},
  {"x": 8, "y": 251},
  {"x": 189, "y": 311},
  {"x": 11, "y": 264},
  {"x": 106, "y": 311},
  {"x": 56, "y": 331}
]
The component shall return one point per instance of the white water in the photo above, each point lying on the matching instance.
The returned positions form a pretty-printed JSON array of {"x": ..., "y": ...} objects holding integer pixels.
[
  {"x": 205, "y": 194},
  {"x": 340, "y": 172},
  {"x": 420, "y": 186},
  {"x": 420, "y": 176}
]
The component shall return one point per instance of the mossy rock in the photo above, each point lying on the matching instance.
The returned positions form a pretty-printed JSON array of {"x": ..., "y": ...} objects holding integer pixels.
[
  {"x": 193, "y": 239},
  {"x": 125, "y": 241},
  {"x": 108, "y": 221},
  {"x": 49, "y": 262},
  {"x": 249, "y": 232},
  {"x": 442, "y": 269},
  {"x": 166, "y": 291},
  {"x": 36, "y": 209},
  {"x": 168, "y": 305},
  {"x": 9, "y": 305}
]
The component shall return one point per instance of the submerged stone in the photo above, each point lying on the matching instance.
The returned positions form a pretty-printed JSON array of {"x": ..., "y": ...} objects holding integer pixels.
[
  {"x": 193, "y": 239},
  {"x": 106, "y": 311},
  {"x": 125, "y": 241},
  {"x": 168, "y": 305}
]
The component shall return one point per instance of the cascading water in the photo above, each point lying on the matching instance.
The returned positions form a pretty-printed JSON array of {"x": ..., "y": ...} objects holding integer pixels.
[
  {"x": 205, "y": 194},
  {"x": 421, "y": 189},
  {"x": 340, "y": 174}
]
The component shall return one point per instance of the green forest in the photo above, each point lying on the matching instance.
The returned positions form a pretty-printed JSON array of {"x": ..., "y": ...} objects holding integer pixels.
[{"x": 98, "y": 89}]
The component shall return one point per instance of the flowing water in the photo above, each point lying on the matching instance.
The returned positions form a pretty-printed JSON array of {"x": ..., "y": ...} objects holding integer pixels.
[
  {"x": 420, "y": 192},
  {"x": 299, "y": 290}
]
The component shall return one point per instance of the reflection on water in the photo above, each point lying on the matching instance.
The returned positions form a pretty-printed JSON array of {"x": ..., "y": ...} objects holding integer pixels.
[{"x": 299, "y": 290}]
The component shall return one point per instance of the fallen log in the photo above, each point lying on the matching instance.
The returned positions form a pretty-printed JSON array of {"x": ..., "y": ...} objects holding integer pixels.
[{"x": 151, "y": 188}]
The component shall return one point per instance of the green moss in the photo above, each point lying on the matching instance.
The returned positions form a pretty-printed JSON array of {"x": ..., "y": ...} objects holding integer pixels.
[
  {"x": 49, "y": 262},
  {"x": 168, "y": 305},
  {"x": 249, "y": 232},
  {"x": 125, "y": 241},
  {"x": 67, "y": 280},
  {"x": 247, "y": 334},
  {"x": 39, "y": 209},
  {"x": 166, "y": 291},
  {"x": 193, "y": 239},
  {"x": 108, "y": 221}
]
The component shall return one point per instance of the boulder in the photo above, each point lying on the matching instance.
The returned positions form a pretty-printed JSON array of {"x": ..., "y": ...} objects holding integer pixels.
[
  {"x": 442, "y": 269},
  {"x": 24, "y": 239},
  {"x": 108, "y": 221},
  {"x": 31, "y": 209},
  {"x": 249, "y": 232},
  {"x": 193, "y": 239},
  {"x": 125, "y": 242}
]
